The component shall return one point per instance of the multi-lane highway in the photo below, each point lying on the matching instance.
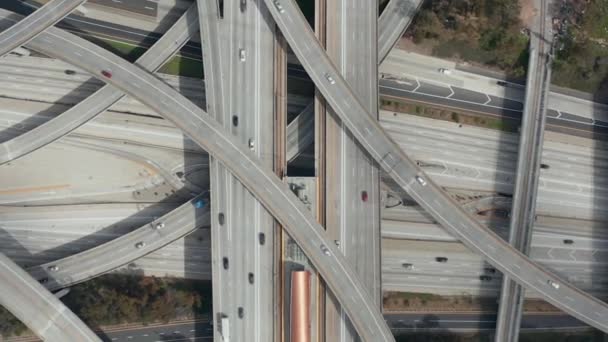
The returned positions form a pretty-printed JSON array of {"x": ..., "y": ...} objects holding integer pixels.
[
  {"x": 393, "y": 22},
  {"x": 154, "y": 58},
  {"x": 411, "y": 179},
  {"x": 38, "y": 308},
  {"x": 523, "y": 211},
  {"x": 267, "y": 188},
  {"x": 33, "y": 24},
  {"x": 244, "y": 46},
  {"x": 352, "y": 182},
  {"x": 214, "y": 63}
]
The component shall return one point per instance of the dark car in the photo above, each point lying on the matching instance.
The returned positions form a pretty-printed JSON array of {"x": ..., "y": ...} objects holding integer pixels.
[
  {"x": 485, "y": 278},
  {"x": 364, "y": 196},
  {"x": 502, "y": 83},
  {"x": 70, "y": 72},
  {"x": 441, "y": 259},
  {"x": 225, "y": 263},
  {"x": 106, "y": 73},
  {"x": 568, "y": 242},
  {"x": 262, "y": 238},
  {"x": 490, "y": 270}
]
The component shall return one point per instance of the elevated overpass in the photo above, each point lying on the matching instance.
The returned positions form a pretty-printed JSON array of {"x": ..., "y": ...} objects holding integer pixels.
[
  {"x": 38, "y": 308},
  {"x": 275, "y": 195},
  {"x": 410, "y": 177}
]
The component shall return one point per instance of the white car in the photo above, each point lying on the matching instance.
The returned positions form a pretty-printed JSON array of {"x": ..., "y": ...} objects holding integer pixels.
[
  {"x": 553, "y": 284},
  {"x": 325, "y": 250},
  {"x": 54, "y": 268},
  {"x": 279, "y": 7},
  {"x": 242, "y": 55},
  {"x": 140, "y": 244},
  {"x": 420, "y": 181},
  {"x": 445, "y": 71},
  {"x": 251, "y": 144},
  {"x": 330, "y": 79}
]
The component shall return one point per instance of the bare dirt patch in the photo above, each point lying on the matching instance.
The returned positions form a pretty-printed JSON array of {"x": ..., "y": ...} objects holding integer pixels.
[{"x": 527, "y": 13}]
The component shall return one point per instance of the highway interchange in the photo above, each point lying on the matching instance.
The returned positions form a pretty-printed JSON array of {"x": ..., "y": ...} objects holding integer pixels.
[
  {"x": 262, "y": 183},
  {"x": 277, "y": 198}
]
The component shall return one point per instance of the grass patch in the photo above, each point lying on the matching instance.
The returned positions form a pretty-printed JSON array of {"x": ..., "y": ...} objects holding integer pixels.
[
  {"x": 561, "y": 336},
  {"x": 182, "y": 66},
  {"x": 581, "y": 65},
  {"x": 480, "y": 31},
  {"x": 421, "y": 296},
  {"x": 127, "y": 51},
  {"x": 177, "y": 65},
  {"x": 581, "y": 59},
  {"x": 451, "y": 115}
]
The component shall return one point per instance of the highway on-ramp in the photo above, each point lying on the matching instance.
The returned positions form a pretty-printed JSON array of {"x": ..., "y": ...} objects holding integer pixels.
[
  {"x": 263, "y": 184},
  {"x": 410, "y": 178},
  {"x": 184, "y": 28},
  {"x": 29, "y": 27},
  {"x": 393, "y": 22},
  {"x": 38, "y": 308},
  {"x": 146, "y": 239}
]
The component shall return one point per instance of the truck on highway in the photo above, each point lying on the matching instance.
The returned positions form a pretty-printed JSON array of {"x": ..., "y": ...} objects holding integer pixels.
[{"x": 225, "y": 328}]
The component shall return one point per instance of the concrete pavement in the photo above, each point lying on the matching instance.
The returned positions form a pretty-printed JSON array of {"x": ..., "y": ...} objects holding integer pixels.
[
  {"x": 96, "y": 261},
  {"x": 29, "y": 27},
  {"x": 393, "y": 22},
  {"x": 411, "y": 179},
  {"x": 86, "y": 110},
  {"x": 276, "y": 196},
  {"x": 37, "y": 308},
  {"x": 523, "y": 212}
]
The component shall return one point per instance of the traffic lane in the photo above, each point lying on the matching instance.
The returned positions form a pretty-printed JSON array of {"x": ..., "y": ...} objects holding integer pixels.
[
  {"x": 103, "y": 98},
  {"x": 572, "y": 125},
  {"x": 90, "y": 27},
  {"x": 409, "y": 177},
  {"x": 37, "y": 308},
  {"x": 30, "y": 26},
  {"x": 142, "y": 7},
  {"x": 449, "y": 102},
  {"x": 469, "y": 95},
  {"x": 188, "y": 331},
  {"x": 485, "y": 321},
  {"x": 287, "y": 208}
]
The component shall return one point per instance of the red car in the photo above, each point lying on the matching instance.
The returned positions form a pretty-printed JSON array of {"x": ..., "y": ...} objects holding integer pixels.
[
  {"x": 106, "y": 73},
  {"x": 364, "y": 196}
]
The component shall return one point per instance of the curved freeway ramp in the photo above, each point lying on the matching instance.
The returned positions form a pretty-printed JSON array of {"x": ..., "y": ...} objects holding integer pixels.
[
  {"x": 261, "y": 181},
  {"x": 38, "y": 308},
  {"x": 412, "y": 179},
  {"x": 170, "y": 42},
  {"x": 30, "y": 26},
  {"x": 123, "y": 250},
  {"x": 393, "y": 22}
]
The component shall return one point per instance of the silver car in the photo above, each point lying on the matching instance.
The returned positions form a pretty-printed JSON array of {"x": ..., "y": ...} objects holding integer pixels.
[
  {"x": 325, "y": 250},
  {"x": 420, "y": 180},
  {"x": 279, "y": 7}
]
